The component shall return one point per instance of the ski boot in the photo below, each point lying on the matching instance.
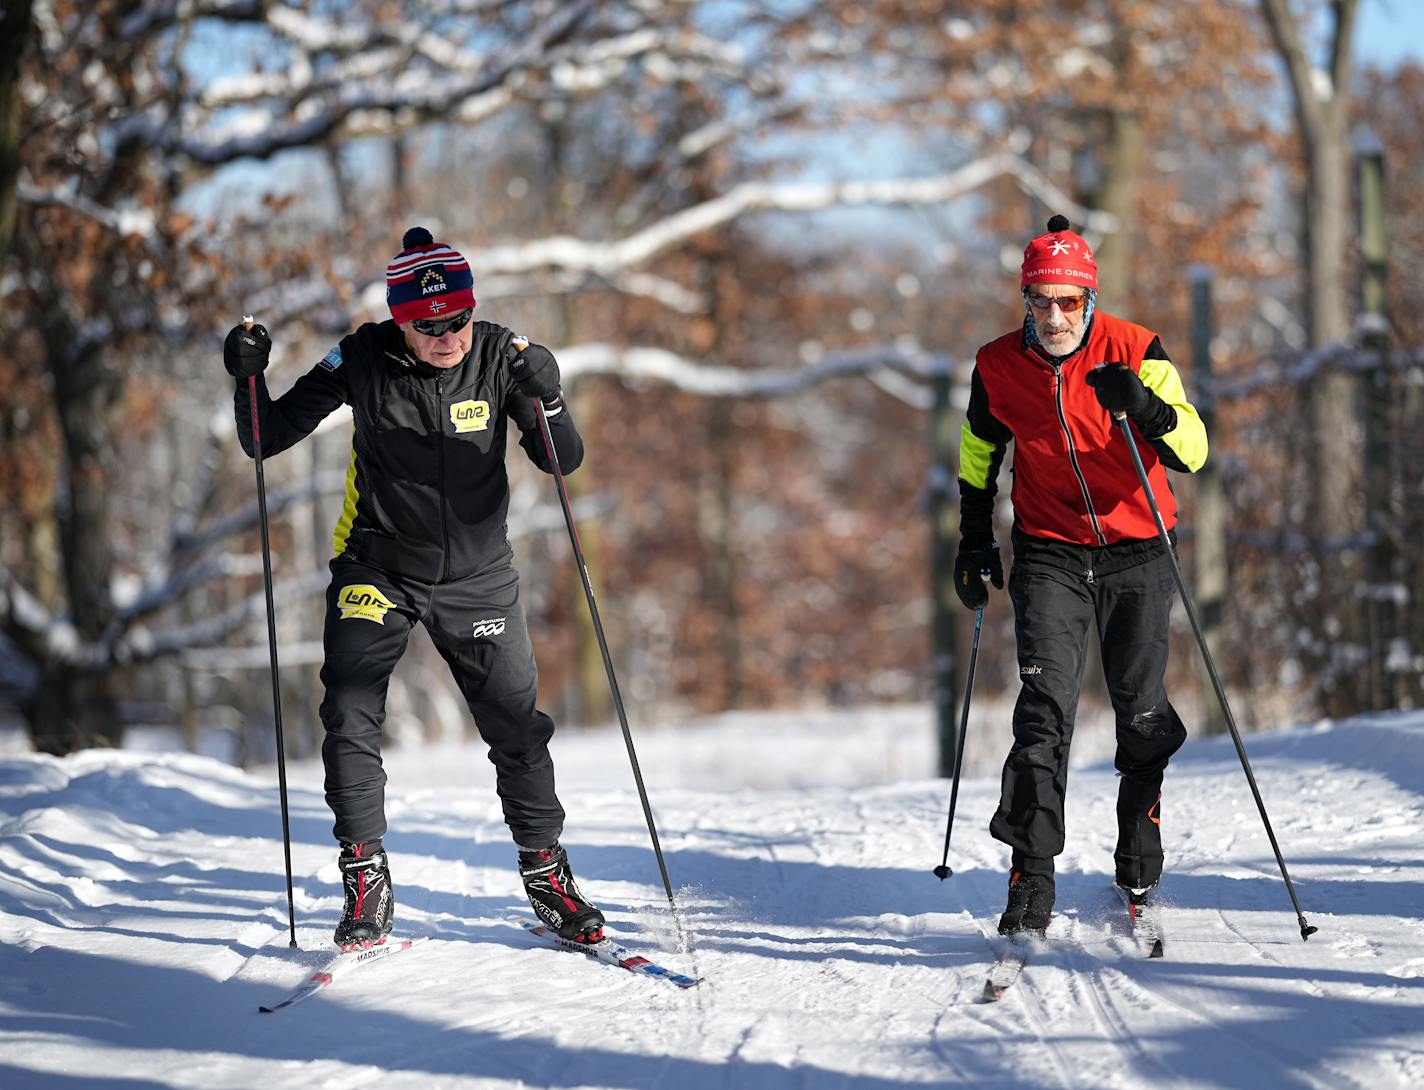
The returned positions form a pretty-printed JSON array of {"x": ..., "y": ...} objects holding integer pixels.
[
  {"x": 1137, "y": 896},
  {"x": 1137, "y": 862},
  {"x": 370, "y": 906},
  {"x": 1030, "y": 904},
  {"x": 550, "y": 887}
]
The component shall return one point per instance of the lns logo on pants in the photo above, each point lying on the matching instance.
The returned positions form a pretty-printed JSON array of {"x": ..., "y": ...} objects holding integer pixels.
[
  {"x": 492, "y": 627},
  {"x": 363, "y": 602}
]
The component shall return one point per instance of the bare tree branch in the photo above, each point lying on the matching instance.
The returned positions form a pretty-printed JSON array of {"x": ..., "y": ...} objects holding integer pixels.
[
  {"x": 1281, "y": 23},
  {"x": 1342, "y": 46}
]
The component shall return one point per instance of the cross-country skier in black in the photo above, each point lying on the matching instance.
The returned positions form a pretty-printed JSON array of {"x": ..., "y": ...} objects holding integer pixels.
[
  {"x": 1086, "y": 551},
  {"x": 422, "y": 538}
]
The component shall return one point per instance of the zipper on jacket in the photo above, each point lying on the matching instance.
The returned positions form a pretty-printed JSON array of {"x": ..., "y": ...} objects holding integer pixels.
[
  {"x": 1073, "y": 457},
  {"x": 440, "y": 463}
]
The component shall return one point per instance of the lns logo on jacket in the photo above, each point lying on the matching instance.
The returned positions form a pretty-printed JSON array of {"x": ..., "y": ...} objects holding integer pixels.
[
  {"x": 361, "y": 601},
  {"x": 469, "y": 416}
]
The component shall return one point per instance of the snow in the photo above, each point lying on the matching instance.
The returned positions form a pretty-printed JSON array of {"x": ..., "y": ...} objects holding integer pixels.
[{"x": 143, "y": 920}]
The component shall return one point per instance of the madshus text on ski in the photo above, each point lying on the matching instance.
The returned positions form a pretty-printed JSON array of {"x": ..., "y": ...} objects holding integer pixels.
[{"x": 1098, "y": 415}]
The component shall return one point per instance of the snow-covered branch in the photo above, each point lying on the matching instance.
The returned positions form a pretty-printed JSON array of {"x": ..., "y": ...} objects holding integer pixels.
[
  {"x": 125, "y": 222},
  {"x": 153, "y": 17},
  {"x": 711, "y": 380},
  {"x": 320, "y": 484},
  {"x": 523, "y": 267},
  {"x": 29, "y": 624},
  {"x": 139, "y": 644},
  {"x": 714, "y": 133},
  {"x": 608, "y": 257},
  {"x": 1297, "y": 370},
  {"x": 37, "y": 633},
  {"x": 666, "y": 291},
  {"x": 420, "y": 96}
]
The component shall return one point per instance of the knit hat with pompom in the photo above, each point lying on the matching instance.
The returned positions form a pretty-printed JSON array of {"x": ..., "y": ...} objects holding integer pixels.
[
  {"x": 1059, "y": 257},
  {"x": 427, "y": 279}
]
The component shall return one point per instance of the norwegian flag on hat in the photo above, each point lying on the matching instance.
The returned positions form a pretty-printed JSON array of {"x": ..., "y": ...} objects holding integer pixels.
[
  {"x": 1059, "y": 257},
  {"x": 427, "y": 279}
]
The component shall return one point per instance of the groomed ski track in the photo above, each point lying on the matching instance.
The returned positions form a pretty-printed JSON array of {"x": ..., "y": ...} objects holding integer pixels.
[{"x": 143, "y": 920}]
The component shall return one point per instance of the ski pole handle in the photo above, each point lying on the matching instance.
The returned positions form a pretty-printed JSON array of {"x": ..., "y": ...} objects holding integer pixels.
[{"x": 1116, "y": 415}]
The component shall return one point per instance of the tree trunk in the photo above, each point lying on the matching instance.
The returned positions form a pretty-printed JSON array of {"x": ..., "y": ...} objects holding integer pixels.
[
  {"x": 71, "y": 711},
  {"x": 1332, "y": 442},
  {"x": 589, "y": 698},
  {"x": 15, "y": 25},
  {"x": 1334, "y": 437},
  {"x": 1210, "y": 558},
  {"x": 1118, "y": 195},
  {"x": 945, "y": 423},
  {"x": 75, "y": 709},
  {"x": 716, "y": 522}
]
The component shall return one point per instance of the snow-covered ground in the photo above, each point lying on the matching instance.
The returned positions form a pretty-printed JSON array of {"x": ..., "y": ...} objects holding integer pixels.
[{"x": 143, "y": 920}]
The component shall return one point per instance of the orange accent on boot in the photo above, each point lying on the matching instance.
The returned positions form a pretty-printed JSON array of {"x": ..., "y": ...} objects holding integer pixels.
[{"x": 1154, "y": 812}]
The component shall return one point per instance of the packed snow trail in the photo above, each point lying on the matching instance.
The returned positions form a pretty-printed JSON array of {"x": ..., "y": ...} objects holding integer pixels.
[{"x": 143, "y": 921}]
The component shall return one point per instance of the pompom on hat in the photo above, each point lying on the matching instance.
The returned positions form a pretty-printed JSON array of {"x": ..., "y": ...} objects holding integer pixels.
[
  {"x": 1059, "y": 257},
  {"x": 427, "y": 279}
]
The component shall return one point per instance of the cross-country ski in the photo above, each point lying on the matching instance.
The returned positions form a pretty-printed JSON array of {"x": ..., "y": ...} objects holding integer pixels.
[
  {"x": 1145, "y": 920},
  {"x": 339, "y": 965},
  {"x": 1007, "y": 970},
  {"x": 610, "y": 952}
]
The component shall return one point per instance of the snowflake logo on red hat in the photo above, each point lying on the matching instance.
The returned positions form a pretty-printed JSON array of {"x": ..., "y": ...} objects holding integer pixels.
[{"x": 1060, "y": 247}]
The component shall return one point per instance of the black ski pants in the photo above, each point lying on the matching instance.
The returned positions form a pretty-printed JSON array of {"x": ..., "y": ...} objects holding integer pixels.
[
  {"x": 1053, "y": 608},
  {"x": 478, "y": 626}
]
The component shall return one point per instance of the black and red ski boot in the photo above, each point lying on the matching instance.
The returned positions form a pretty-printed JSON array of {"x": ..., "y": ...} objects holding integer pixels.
[
  {"x": 1137, "y": 862},
  {"x": 370, "y": 905},
  {"x": 1030, "y": 906},
  {"x": 550, "y": 887}
]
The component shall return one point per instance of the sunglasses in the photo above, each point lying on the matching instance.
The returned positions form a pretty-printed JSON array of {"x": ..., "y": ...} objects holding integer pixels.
[
  {"x": 1068, "y": 304},
  {"x": 438, "y": 327}
]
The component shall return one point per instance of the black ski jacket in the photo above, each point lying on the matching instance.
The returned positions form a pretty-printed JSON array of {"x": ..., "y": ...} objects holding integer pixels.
[{"x": 426, "y": 492}]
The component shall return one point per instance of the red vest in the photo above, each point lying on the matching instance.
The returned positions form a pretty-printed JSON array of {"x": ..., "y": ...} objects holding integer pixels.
[{"x": 1073, "y": 475}]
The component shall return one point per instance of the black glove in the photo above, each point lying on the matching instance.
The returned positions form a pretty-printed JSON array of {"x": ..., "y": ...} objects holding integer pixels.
[
  {"x": 970, "y": 568},
  {"x": 1119, "y": 389},
  {"x": 535, "y": 371},
  {"x": 245, "y": 351}
]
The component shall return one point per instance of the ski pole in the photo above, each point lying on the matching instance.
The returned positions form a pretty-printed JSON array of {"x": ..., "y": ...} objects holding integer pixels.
[
  {"x": 548, "y": 437},
  {"x": 272, "y": 642},
  {"x": 942, "y": 871},
  {"x": 1306, "y": 930}
]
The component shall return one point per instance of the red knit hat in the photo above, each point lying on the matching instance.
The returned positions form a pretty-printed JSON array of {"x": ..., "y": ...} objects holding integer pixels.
[
  {"x": 1059, "y": 257},
  {"x": 427, "y": 279}
]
